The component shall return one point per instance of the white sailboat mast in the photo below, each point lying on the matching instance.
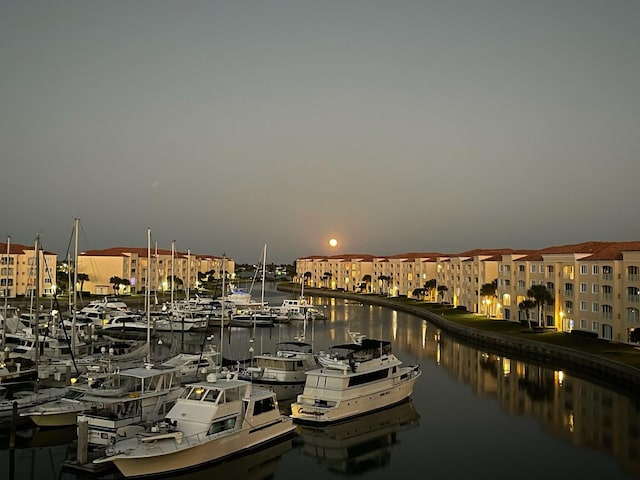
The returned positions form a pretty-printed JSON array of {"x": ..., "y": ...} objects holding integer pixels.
[
  {"x": 74, "y": 340},
  {"x": 222, "y": 300},
  {"x": 188, "y": 271},
  {"x": 36, "y": 315},
  {"x": 147, "y": 299},
  {"x": 173, "y": 246},
  {"x": 264, "y": 271},
  {"x": 6, "y": 296}
]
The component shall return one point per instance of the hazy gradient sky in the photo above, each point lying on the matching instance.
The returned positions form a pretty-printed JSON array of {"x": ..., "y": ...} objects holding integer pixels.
[{"x": 393, "y": 126}]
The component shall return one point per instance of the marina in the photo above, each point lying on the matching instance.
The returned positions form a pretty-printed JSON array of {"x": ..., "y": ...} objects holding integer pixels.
[{"x": 467, "y": 402}]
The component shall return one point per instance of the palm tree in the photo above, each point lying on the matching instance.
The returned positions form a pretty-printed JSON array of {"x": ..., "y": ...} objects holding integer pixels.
[
  {"x": 385, "y": 282},
  {"x": 430, "y": 287},
  {"x": 327, "y": 276},
  {"x": 366, "y": 279},
  {"x": 116, "y": 282},
  {"x": 541, "y": 296},
  {"x": 82, "y": 277},
  {"x": 125, "y": 282},
  {"x": 527, "y": 306},
  {"x": 488, "y": 291},
  {"x": 441, "y": 290}
]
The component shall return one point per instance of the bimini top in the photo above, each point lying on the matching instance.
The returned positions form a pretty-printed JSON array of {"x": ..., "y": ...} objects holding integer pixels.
[{"x": 368, "y": 347}]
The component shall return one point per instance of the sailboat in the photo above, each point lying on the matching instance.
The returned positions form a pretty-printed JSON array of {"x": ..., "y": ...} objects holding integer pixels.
[
  {"x": 284, "y": 371},
  {"x": 22, "y": 395},
  {"x": 256, "y": 314}
]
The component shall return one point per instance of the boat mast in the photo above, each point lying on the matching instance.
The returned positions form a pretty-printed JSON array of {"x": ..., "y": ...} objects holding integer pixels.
[
  {"x": 157, "y": 270},
  {"x": 37, "y": 300},
  {"x": 173, "y": 246},
  {"x": 222, "y": 300},
  {"x": 6, "y": 296},
  {"x": 188, "y": 271},
  {"x": 147, "y": 296},
  {"x": 264, "y": 270},
  {"x": 74, "y": 342}
]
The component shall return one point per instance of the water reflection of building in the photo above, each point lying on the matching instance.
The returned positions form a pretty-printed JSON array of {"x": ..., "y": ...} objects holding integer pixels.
[
  {"x": 576, "y": 410},
  {"x": 361, "y": 444}
]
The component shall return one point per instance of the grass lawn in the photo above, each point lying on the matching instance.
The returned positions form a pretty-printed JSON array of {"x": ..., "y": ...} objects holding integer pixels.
[{"x": 618, "y": 352}]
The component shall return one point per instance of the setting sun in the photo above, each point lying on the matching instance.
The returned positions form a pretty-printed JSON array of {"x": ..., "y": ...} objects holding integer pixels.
[{"x": 333, "y": 242}]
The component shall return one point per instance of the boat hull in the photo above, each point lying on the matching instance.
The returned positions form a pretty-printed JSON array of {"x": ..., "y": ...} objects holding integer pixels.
[
  {"x": 55, "y": 420},
  {"x": 208, "y": 452}
]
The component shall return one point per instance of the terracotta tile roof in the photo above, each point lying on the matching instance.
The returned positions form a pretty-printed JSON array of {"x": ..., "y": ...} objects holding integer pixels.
[
  {"x": 141, "y": 252},
  {"x": 18, "y": 248}
]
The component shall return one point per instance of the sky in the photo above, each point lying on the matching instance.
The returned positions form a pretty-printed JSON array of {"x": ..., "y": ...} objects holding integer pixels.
[{"x": 392, "y": 126}]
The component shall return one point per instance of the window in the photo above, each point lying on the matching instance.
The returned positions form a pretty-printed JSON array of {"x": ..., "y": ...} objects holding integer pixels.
[
  {"x": 583, "y": 269},
  {"x": 595, "y": 270},
  {"x": 595, "y": 326},
  {"x": 541, "y": 269},
  {"x": 595, "y": 288},
  {"x": 583, "y": 324},
  {"x": 583, "y": 288},
  {"x": 533, "y": 269},
  {"x": 595, "y": 307},
  {"x": 263, "y": 406},
  {"x": 583, "y": 306},
  {"x": 550, "y": 269}
]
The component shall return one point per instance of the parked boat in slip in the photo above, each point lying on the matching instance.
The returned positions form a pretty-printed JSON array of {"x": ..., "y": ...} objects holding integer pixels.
[
  {"x": 23, "y": 396},
  {"x": 284, "y": 371},
  {"x": 129, "y": 397},
  {"x": 212, "y": 420},
  {"x": 354, "y": 379}
]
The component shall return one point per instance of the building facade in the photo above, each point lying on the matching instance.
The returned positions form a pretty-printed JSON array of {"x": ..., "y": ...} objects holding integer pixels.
[
  {"x": 164, "y": 270},
  {"x": 22, "y": 274},
  {"x": 593, "y": 287}
]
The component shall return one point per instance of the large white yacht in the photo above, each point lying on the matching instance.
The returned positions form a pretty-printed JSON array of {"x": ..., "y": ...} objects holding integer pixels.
[
  {"x": 211, "y": 421},
  {"x": 354, "y": 379}
]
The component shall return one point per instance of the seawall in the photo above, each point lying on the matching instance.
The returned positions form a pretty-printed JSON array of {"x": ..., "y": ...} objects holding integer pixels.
[{"x": 607, "y": 372}]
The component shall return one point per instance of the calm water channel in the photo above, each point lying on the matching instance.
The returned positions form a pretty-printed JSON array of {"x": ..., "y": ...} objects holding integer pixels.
[{"x": 473, "y": 414}]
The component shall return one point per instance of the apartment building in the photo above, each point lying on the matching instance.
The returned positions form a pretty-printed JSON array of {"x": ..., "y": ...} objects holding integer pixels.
[
  {"x": 139, "y": 266},
  {"x": 594, "y": 286},
  {"x": 22, "y": 274}
]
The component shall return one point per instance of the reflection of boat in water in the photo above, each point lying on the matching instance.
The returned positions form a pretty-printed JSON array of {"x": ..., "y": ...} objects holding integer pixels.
[
  {"x": 361, "y": 444},
  {"x": 37, "y": 453},
  {"x": 261, "y": 465}
]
